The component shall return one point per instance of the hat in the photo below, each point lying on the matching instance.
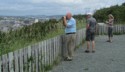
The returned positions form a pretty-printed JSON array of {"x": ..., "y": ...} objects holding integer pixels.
[{"x": 89, "y": 13}]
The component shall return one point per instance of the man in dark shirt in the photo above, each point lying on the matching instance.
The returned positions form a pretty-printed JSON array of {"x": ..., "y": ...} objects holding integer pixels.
[{"x": 90, "y": 32}]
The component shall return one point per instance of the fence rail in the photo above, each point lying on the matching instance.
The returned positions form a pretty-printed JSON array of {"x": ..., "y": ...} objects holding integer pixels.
[
  {"x": 38, "y": 57},
  {"x": 117, "y": 29}
]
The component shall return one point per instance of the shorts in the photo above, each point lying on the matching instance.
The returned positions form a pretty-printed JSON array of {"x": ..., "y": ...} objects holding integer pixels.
[{"x": 90, "y": 36}]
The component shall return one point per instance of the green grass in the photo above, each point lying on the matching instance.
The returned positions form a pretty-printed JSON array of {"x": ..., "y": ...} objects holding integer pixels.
[{"x": 81, "y": 24}]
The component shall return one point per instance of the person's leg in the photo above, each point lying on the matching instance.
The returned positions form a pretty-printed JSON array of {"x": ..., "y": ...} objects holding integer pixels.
[
  {"x": 67, "y": 43},
  {"x": 69, "y": 49},
  {"x": 88, "y": 45},
  {"x": 93, "y": 41},
  {"x": 93, "y": 45},
  {"x": 72, "y": 45},
  {"x": 111, "y": 36},
  {"x": 65, "y": 49},
  {"x": 88, "y": 41},
  {"x": 108, "y": 34}
]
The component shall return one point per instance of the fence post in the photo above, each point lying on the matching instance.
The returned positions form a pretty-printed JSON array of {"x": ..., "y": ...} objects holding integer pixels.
[
  {"x": 11, "y": 62},
  {"x": 25, "y": 53},
  {"x": 21, "y": 59},
  {"x": 36, "y": 57},
  {"x": 33, "y": 60},
  {"x": 29, "y": 58},
  {"x": 63, "y": 46},
  {"x": 40, "y": 57},
  {"x": 0, "y": 64},
  {"x": 5, "y": 63},
  {"x": 16, "y": 63},
  {"x": 52, "y": 47},
  {"x": 43, "y": 55}
]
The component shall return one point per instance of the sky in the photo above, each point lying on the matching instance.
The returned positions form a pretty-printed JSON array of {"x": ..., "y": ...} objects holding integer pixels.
[{"x": 52, "y": 7}]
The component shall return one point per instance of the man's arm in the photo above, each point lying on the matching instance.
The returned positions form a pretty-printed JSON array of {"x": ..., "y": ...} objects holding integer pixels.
[
  {"x": 64, "y": 21},
  {"x": 87, "y": 25}
]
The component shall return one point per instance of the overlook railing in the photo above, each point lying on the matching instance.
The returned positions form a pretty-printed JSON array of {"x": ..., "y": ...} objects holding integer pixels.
[{"x": 39, "y": 57}]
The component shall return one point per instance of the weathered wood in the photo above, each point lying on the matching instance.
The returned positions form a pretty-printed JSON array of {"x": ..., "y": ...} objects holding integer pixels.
[
  {"x": 0, "y": 64},
  {"x": 40, "y": 57},
  {"x": 33, "y": 58},
  {"x": 29, "y": 58},
  {"x": 49, "y": 48},
  {"x": 36, "y": 57},
  {"x": 5, "y": 63},
  {"x": 21, "y": 60},
  {"x": 116, "y": 29},
  {"x": 47, "y": 54},
  {"x": 16, "y": 61},
  {"x": 11, "y": 62},
  {"x": 43, "y": 56},
  {"x": 52, "y": 45},
  {"x": 56, "y": 47},
  {"x": 43, "y": 52},
  {"x": 52, "y": 59},
  {"x": 25, "y": 55}
]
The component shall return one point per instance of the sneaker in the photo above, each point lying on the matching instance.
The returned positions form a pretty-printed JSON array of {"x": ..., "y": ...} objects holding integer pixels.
[
  {"x": 68, "y": 59},
  {"x": 108, "y": 41},
  {"x": 87, "y": 51},
  {"x": 93, "y": 51}
]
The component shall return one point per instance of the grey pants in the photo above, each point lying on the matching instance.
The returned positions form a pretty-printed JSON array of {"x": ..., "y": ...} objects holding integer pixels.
[
  {"x": 110, "y": 31},
  {"x": 69, "y": 45}
]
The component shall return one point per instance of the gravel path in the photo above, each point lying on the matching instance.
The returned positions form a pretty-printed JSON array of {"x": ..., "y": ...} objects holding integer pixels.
[{"x": 109, "y": 57}]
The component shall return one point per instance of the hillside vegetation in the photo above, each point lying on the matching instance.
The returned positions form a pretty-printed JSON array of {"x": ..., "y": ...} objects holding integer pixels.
[{"x": 117, "y": 11}]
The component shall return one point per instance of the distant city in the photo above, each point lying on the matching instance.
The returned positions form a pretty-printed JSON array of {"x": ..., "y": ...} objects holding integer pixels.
[{"x": 8, "y": 23}]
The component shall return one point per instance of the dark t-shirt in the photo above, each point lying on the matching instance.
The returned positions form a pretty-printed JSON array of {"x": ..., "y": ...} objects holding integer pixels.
[{"x": 92, "y": 23}]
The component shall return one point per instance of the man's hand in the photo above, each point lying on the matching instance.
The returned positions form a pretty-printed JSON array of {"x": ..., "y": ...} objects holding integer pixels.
[
  {"x": 64, "y": 17},
  {"x": 64, "y": 21}
]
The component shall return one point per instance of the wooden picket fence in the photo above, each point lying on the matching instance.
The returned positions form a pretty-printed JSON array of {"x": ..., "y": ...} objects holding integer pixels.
[
  {"x": 38, "y": 57},
  {"x": 117, "y": 29}
]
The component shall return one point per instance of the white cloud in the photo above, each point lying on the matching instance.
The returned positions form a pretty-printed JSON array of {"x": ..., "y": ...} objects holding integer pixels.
[
  {"x": 57, "y": 1},
  {"x": 58, "y": 6}
]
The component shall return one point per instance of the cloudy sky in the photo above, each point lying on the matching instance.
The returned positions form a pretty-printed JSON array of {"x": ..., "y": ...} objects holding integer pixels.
[{"x": 52, "y": 7}]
